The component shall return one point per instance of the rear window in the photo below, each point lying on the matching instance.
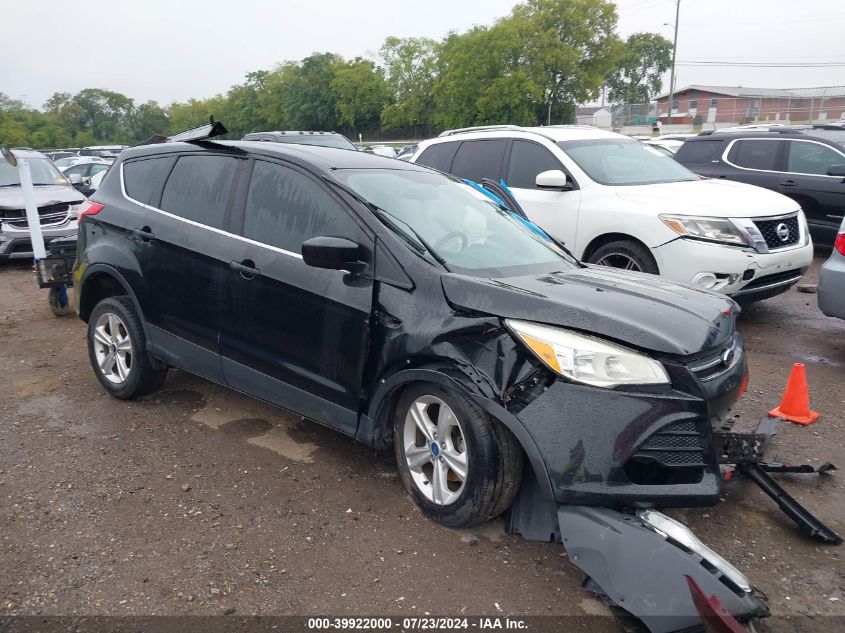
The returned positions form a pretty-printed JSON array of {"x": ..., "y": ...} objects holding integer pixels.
[
  {"x": 698, "y": 151},
  {"x": 438, "y": 156},
  {"x": 480, "y": 159},
  {"x": 200, "y": 188},
  {"x": 755, "y": 153},
  {"x": 144, "y": 179}
]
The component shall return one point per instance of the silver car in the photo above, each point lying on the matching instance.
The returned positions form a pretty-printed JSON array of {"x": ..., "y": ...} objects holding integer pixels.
[{"x": 832, "y": 279}]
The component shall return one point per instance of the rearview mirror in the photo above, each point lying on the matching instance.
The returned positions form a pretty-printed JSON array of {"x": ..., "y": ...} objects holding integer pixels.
[
  {"x": 333, "y": 253},
  {"x": 836, "y": 170},
  {"x": 553, "y": 179}
]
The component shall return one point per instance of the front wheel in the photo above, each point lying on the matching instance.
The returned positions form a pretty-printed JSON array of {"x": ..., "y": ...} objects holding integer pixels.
[
  {"x": 460, "y": 467},
  {"x": 117, "y": 350},
  {"x": 627, "y": 255}
]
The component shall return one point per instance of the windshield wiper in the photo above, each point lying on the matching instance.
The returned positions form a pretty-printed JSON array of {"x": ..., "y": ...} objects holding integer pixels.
[{"x": 413, "y": 239}]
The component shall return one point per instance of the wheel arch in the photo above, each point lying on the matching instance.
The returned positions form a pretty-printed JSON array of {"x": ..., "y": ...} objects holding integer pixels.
[
  {"x": 99, "y": 282},
  {"x": 376, "y": 427},
  {"x": 606, "y": 238}
]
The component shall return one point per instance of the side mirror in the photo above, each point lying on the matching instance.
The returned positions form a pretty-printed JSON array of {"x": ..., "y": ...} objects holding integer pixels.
[
  {"x": 836, "y": 170},
  {"x": 75, "y": 179},
  {"x": 554, "y": 179},
  {"x": 333, "y": 253}
]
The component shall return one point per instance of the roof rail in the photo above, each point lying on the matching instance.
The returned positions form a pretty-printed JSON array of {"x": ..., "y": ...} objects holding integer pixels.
[{"x": 480, "y": 128}]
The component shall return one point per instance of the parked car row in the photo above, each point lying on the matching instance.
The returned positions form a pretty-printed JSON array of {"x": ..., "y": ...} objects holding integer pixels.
[{"x": 102, "y": 151}]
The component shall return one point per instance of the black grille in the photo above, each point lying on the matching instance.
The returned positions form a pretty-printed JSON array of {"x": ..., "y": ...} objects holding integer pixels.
[
  {"x": 789, "y": 275},
  {"x": 675, "y": 445},
  {"x": 769, "y": 229},
  {"x": 713, "y": 364}
]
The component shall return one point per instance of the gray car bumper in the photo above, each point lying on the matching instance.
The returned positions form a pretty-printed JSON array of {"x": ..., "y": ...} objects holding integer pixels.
[
  {"x": 832, "y": 286},
  {"x": 16, "y": 243}
]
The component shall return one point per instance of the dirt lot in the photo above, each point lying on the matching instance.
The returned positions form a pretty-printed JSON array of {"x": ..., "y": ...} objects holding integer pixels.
[{"x": 198, "y": 499}]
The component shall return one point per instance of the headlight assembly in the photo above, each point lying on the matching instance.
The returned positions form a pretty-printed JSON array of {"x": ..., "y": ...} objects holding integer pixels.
[
  {"x": 586, "y": 359},
  {"x": 702, "y": 228}
]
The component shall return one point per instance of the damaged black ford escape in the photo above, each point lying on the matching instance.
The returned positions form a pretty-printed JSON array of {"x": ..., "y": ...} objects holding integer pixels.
[{"x": 394, "y": 304}]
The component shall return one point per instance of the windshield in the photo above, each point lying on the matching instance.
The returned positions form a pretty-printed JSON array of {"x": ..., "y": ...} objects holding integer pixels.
[
  {"x": 43, "y": 173},
  {"x": 624, "y": 162},
  {"x": 465, "y": 232}
]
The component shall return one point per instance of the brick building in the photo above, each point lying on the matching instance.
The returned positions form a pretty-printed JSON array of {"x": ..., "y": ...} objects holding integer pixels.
[{"x": 735, "y": 105}]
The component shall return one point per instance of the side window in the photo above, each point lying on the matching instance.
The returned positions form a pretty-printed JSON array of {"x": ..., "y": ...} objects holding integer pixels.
[
  {"x": 479, "y": 159},
  {"x": 438, "y": 156},
  {"x": 200, "y": 189},
  {"x": 285, "y": 207},
  {"x": 811, "y": 158},
  {"x": 144, "y": 179},
  {"x": 96, "y": 168},
  {"x": 526, "y": 161},
  {"x": 698, "y": 151},
  {"x": 755, "y": 153},
  {"x": 76, "y": 169}
]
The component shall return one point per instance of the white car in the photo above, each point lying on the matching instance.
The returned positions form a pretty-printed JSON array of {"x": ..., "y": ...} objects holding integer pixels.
[
  {"x": 615, "y": 201},
  {"x": 669, "y": 146}
]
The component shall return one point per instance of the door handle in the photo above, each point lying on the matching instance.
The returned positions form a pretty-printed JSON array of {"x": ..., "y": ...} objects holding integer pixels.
[
  {"x": 787, "y": 183},
  {"x": 145, "y": 233},
  {"x": 246, "y": 268}
]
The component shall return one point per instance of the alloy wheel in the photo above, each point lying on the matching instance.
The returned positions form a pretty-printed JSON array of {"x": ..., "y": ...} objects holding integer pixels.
[
  {"x": 435, "y": 450},
  {"x": 619, "y": 260},
  {"x": 113, "y": 348}
]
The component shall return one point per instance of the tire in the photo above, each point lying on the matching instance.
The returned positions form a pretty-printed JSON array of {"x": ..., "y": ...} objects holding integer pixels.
[
  {"x": 59, "y": 304},
  {"x": 117, "y": 350},
  {"x": 492, "y": 456},
  {"x": 627, "y": 255}
]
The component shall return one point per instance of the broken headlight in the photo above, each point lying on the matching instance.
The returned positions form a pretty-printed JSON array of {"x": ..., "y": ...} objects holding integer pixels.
[
  {"x": 586, "y": 359},
  {"x": 710, "y": 229}
]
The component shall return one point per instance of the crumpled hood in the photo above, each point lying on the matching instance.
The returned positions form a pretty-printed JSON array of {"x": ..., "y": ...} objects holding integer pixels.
[
  {"x": 635, "y": 309},
  {"x": 709, "y": 197},
  {"x": 12, "y": 197}
]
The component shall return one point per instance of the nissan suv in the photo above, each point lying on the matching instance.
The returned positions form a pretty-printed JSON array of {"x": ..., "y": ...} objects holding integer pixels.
[
  {"x": 808, "y": 165},
  {"x": 401, "y": 307},
  {"x": 617, "y": 202}
]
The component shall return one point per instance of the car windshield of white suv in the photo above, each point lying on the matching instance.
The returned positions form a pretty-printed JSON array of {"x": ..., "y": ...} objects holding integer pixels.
[
  {"x": 624, "y": 162},
  {"x": 461, "y": 229},
  {"x": 43, "y": 173}
]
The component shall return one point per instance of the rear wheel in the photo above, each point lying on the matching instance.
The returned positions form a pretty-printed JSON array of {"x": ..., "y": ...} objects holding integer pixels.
[
  {"x": 117, "y": 350},
  {"x": 625, "y": 254},
  {"x": 460, "y": 467}
]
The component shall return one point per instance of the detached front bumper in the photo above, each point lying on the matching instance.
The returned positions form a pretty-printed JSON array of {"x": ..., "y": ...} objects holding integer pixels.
[
  {"x": 743, "y": 274},
  {"x": 16, "y": 243},
  {"x": 615, "y": 448}
]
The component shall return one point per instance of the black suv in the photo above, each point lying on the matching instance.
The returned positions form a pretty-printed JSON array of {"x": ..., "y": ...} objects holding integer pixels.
[
  {"x": 399, "y": 306},
  {"x": 808, "y": 165}
]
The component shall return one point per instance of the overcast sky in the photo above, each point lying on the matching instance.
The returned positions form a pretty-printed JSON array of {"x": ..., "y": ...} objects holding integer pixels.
[{"x": 169, "y": 50}]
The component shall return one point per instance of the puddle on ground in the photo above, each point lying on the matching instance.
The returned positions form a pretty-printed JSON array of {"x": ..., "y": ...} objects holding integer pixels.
[{"x": 260, "y": 424}]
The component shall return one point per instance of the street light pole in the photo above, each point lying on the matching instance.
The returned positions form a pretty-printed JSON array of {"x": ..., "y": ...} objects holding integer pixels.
[{"x": 674, "y": 53}]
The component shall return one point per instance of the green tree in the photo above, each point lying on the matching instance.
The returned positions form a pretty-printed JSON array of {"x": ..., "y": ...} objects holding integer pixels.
[
  {"x": 104, "y": 114},
  {"x": 145, "y": 120},
  {"x": 361, "y": 93},
  {"x": 570, "y": 47},
  {"x": 410, "y": 70},
  {"x": 637, "y": 77}
]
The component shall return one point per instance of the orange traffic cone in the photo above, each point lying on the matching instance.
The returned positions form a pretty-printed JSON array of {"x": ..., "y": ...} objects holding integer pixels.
[{"x": 795, "y": 404}]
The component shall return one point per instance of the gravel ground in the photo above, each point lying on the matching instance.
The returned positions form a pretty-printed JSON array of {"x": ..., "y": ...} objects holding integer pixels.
[{"x": 198, "y": 500}]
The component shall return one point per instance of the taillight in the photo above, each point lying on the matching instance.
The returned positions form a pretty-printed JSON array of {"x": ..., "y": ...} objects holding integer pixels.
[
  {"x": 839, "y": 244},
  {"x": 91, "y": 208}
]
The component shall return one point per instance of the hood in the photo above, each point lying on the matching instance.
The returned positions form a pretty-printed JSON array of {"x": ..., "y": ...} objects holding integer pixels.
[
  {"x": 709, "y": 197},
  {"x": 45, "y": 195},
  {"x": 634, "y": 309}
]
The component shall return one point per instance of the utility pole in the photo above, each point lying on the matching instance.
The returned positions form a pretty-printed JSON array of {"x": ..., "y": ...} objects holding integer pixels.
[{"x": 674, "y": 53}]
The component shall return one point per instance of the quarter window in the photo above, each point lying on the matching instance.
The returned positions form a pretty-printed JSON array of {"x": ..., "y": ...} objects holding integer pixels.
[
  {"x": 285, "y": 207},
  {"x": 526, "y": 161},
  {"x": 755, "y": 153},
  {"x": 200, "y": 188},
  {"x": 144, "y": 179},
  {"x": 811, "y": 158}
]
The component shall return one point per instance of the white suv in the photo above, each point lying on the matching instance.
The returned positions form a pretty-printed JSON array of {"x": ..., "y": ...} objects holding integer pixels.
[{"x": 617, "y": 202}]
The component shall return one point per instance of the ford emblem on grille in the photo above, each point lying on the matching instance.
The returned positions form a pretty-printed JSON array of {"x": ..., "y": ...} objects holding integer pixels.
[
  {"x": 782, "y": 232},
  {"x": 727, "y": 356}
]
